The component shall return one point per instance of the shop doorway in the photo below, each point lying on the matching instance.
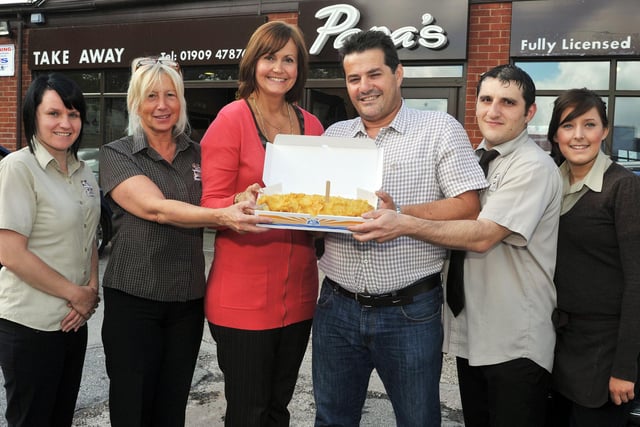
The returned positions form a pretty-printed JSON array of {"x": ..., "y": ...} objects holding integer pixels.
[
  {"x": 203, "y": 105},
  {"x": 332, "y": 104}
]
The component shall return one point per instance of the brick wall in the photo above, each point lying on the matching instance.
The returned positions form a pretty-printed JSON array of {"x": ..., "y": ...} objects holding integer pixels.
[
  {"x": 8, "y": 104},
  {"x": 489, "y": 39},
  {"x": 288, "y": 17},
  {"x": 9, "y": 94}
]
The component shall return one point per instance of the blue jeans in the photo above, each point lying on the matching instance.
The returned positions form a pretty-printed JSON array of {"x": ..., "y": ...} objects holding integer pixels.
[{"x": 403, "y": 344}]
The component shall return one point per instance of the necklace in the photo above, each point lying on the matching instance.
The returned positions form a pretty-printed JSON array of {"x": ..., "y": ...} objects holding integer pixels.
[{"x": 264, "y": 121}]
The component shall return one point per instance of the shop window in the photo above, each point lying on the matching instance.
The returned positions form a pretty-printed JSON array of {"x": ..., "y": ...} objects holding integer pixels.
[
  {"x": 539, "y": 125},
  {"x": 105, "y": 111},
  {"x": 622, "y": 99},
  {"x": 116, "y": 81},
  {"x": 332, "y": 72},
  {"x": 91, "y": 140},
  {"x": 432, "y": 104},
  {"x": 625, "y": 146},
  {"x": 628, "y": 72},
  {"x": 210, "y": 74},
  {"x": 91, "y": 126},
  {"x": 116, "y": 118},
  {"x": 433, "y": 71},
  {"x": 567, "y": 75},
  {"x": 89, "y": 82},
  {"x": 94, "y": 135}
]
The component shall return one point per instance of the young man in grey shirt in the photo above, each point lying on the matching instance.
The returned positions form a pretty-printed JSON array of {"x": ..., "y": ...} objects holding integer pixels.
[{"x": 501, "y": 331}]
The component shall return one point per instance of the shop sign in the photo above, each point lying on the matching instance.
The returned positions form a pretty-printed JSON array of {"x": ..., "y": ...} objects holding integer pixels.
[
  {"x": 575, "y": 28},
  {"x": 420, "y": 30},
  {"x": 7, "y": 60},
  {"x": 217, "y": 41}
]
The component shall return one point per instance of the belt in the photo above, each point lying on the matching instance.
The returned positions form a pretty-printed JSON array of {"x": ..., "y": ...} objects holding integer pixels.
[
  {"x": 402, "y": 296},
  {"x": 561, "y": 318}
]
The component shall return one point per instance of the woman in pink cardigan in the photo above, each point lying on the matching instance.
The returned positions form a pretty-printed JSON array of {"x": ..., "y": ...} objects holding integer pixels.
[{"x": 262, "y": 288}]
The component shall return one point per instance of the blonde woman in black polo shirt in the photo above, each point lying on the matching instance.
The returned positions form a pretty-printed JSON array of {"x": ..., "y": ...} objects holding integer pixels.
[{"x": 154, "y": 282}]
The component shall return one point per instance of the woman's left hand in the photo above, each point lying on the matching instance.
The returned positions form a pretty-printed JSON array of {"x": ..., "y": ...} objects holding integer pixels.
[
  {"x": 621, "y": 391},
  {"x": 72, "y": 321},
  {"x": 250, "y": 194}
]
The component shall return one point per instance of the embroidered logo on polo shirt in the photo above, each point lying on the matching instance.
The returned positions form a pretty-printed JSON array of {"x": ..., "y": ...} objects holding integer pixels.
[
  {"x": 493, "y": 183},
  {"x": 88, "y": 188},
  {"x": 195, "y": 168}
]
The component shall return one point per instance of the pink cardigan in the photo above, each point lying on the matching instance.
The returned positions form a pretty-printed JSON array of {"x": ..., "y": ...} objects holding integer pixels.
[{"x": 257, "y": 281}]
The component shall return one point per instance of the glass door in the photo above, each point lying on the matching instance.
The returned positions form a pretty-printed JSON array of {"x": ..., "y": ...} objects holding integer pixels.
[{"x": 432, "y": 99}]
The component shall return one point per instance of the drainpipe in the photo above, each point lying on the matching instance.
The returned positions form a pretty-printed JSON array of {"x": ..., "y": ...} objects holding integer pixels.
[{"x": 19, "y": 85}]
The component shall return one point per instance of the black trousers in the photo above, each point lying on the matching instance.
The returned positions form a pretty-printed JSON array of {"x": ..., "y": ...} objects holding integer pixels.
[
  {"x": 151, "y": 351},
  {"x": 260, "y": 372},
  {"x": 42, "y": 374},
  {"x": 566, "y": 413},
  {"x": 513, "y": 393}
]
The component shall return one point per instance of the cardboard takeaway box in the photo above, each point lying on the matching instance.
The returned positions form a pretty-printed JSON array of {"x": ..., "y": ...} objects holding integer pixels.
[{"x": 303, "y": 164}]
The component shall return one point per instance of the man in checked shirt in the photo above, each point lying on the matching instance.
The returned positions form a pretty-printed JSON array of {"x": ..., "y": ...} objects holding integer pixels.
[{"x": 381, "y": 303}]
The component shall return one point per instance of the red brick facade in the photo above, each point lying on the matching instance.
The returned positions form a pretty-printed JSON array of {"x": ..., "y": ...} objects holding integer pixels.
[
  {"x": 488, "y": 46},
  {"x": 291, "y": 17},
  {"x": 8, "y": 105},
  {"x": 8, "y": 95}
]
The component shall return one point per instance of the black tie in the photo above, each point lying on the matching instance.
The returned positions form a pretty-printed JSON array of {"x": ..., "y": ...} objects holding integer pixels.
[
  {"x": 485, "y": 159},
  {"x": 455, "y": 276}
]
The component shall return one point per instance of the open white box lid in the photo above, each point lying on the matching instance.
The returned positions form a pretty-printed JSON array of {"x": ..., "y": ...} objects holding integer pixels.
[{"x": 303, "y": 164}]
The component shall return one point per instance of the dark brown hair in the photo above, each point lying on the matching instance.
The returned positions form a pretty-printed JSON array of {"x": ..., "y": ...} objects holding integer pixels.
[
  {"x": 581, "y": 100},
  {"x": 270, "y": 38},
  {"x": 372, "y": 39},
  {"x": 507, "y": 73},
  {"x": 71, "y": 96}
]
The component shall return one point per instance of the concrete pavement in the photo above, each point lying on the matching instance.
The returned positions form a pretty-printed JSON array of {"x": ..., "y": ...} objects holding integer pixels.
[{"x": 206, "y": 402}]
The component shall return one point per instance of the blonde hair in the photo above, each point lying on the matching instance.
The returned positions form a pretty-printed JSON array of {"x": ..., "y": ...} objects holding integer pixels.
[{"x": 143, "y": 78}]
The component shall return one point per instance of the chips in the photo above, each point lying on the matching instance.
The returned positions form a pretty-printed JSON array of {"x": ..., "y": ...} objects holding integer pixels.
[{"x": 314, "y": 204}]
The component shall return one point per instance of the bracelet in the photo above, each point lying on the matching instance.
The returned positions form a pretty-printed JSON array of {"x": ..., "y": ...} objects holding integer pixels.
[{"x": 398, "y": 209}]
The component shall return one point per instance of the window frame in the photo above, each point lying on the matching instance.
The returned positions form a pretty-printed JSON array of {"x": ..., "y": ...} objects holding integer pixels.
[{"x": 610, "y": 95}]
